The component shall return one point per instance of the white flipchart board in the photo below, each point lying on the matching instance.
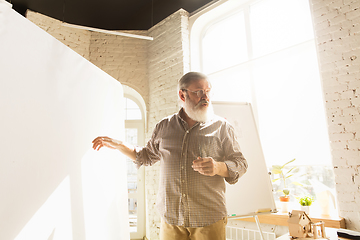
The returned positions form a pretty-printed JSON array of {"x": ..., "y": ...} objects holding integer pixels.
[
  {"x": 252, "y": 194},
  {"x": 53, "y": 103}
]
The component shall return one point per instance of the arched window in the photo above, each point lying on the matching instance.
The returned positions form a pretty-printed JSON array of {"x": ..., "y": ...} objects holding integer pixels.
[
  {"x": 263, "y": 52},
  {"x": 132, "y": 110},
  {"x": 135, "y": 134}
]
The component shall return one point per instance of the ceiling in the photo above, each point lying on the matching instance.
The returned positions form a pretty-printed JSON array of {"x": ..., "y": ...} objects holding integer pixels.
[{"x": 109, "y": 14}]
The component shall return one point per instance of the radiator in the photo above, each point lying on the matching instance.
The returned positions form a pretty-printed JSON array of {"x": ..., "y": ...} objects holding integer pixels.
[{"x": 234, "y": 233}]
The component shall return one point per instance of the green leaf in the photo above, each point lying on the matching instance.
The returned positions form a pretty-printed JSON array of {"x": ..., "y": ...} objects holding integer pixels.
[
  {"x": 289, "y": 176},
  {"x": 276, "y": 171},
  {"x": 306, "y": 201},
  {"x": 288, "y": 163},
  {"x": 291, "y": 170},
  {"x": 276, "y": 167},
  {"x": 297, "y": 183}
]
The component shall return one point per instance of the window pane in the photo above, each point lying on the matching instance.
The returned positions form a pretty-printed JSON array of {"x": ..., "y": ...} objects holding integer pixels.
[
  {"x": 131, "y": 138},
  {"x": 132, "y": 110},
  {"x": 314, "y": 181},
  {"x": 277, "y": 24},
  {"x": 131, "y": 104},
  {"x": 133, "y": 114},
  {"x": 132, "y": 179},
  {"x": 232, "y": 85},
  {"x": 132, "y": 205},
  {"x": 224, "y": 44},
  {"x": 280, "y": 77},
  {"x": 290, "y": 107}
]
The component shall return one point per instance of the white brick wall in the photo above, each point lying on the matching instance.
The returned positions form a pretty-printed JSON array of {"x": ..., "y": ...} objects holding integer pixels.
[
  {"x": 337, "y": 30},
  {"x": 124, "y": 58},
  {"x": 168, "y": 61},
  {"x": 77, "y": 39}
]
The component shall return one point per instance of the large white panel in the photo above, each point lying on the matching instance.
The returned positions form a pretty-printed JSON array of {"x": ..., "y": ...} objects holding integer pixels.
[{"x": 53, "y": 103}]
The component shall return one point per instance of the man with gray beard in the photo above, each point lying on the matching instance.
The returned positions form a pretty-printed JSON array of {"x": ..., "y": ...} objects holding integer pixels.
[{"x": 198, "y": 152}]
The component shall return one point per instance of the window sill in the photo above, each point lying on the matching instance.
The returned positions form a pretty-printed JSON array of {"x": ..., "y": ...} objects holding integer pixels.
[{"x": 282, "y": 218}]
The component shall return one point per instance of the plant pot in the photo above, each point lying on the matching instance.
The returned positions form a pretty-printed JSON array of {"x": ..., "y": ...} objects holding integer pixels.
[
  {"x": 306, "y": 209},
  {"x": 284, "y": 200}
]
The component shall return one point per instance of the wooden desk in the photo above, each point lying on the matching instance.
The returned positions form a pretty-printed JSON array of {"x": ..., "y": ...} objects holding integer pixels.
[{"x": 281, "y": 219}]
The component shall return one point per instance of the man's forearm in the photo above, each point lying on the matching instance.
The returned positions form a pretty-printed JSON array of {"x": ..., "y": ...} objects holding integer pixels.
[{"x": 128, "y": 150}]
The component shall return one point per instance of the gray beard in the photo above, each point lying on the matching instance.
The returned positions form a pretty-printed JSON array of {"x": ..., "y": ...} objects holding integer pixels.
[{"x": 197, "y": 112}]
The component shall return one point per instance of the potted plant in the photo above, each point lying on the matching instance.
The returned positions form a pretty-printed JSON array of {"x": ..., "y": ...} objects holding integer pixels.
[
  {"x": 305, "y": 203},
  {"x": 283, "y": 176}
]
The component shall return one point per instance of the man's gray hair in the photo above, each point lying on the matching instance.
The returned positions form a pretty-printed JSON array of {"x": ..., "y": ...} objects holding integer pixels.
[{"x": 188, "y": 78}]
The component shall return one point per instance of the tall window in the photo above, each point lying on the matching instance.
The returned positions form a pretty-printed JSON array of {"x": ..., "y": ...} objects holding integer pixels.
[
  {"x": 134, "y": 134},
  {"x": 263, "y": 52}
]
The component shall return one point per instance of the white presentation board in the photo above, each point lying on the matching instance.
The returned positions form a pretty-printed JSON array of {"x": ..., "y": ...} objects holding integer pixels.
[
  {"x": 253, "y": 192},
  {"x": 53, "y": 103}
]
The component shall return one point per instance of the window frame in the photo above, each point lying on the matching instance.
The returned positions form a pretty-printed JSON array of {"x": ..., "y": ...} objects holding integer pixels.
[
  {"x": 140, "y": 125},
  {"x": 140, "y": 194},
  {"x": 201, "y": 21}
]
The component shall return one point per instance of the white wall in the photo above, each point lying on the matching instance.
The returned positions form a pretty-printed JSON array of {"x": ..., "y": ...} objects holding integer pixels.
[
  {"x": 77, "y": 39},
  {"x": 168, "y": 60}
]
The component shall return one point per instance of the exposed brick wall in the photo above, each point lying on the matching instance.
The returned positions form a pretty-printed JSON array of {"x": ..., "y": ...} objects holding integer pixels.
[
  {"x": 168, "y": 61},
  {"x": 337, "y": 30},
  {"x": 124, "y": 58},
  {"x": 77, "y": 39}
]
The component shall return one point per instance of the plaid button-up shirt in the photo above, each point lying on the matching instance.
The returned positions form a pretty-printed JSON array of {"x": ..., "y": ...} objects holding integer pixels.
[{"x": 186, "y": 197}]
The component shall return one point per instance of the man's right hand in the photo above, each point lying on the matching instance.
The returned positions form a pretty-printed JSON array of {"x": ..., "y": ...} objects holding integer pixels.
[
  {"x": 100, "y": 142},
  {"x": 126, "y": 149}
]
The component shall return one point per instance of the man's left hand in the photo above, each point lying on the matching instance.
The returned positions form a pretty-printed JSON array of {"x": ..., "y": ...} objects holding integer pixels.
[
  {"x": 206, "y": 166},
  {"x": 209, "y": 167}
]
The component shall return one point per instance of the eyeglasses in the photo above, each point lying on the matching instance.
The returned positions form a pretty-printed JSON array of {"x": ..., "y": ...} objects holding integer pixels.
[{"x": 201, "y": 92}]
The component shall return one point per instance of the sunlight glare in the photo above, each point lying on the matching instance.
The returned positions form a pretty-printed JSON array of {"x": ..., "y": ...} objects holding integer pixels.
[{"x": 53, "y": 219}]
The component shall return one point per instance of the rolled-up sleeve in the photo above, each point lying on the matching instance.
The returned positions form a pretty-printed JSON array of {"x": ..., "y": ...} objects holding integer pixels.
[
  {"x": 149, "y": 154},
  {"x": 234, "y": 159}
]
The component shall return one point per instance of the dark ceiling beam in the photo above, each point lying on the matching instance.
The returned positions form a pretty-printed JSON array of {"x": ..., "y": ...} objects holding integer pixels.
[{"x": 109, "y": 14}]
